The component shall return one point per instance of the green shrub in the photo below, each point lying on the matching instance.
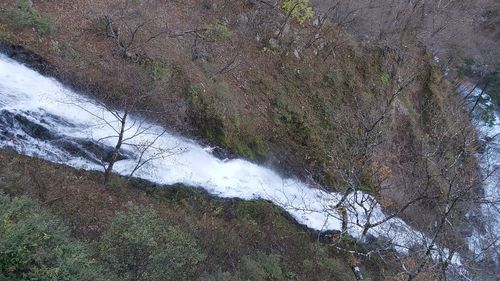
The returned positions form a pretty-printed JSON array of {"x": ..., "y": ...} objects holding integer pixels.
[
  {"x": 158, "y": 71},
  {"x": 193, "y": 92},
  {"x": 222, "y": 90},
  {"x": 255, "y": 268},
  {"x": 220, "y": 276},
  {"x": 299, "y": 10},
  {"x": 493, "y": 81},
  {"x": 465, "y": 67},
  {"x": 99, "y": 26},
  {"x": 36, "y": 246},
  {"x": 261, "y": 267},
  {"x": 140, "y": 245},
  {"x": 219, "y": 31},
  {"x": 24, "y": 15},
  {"x": 332, "y": 78},
  {"x": 327, "y": 268},
  {"x": 469, "y": 61},
  {"x": 257, "y": 210},
  {"x": 384, "y": 77}
]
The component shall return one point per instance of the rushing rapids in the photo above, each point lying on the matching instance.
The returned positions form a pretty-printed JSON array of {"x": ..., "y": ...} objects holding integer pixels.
[
  {"x": 485, "y": 243},
  {"x": 40, "y": 117}
]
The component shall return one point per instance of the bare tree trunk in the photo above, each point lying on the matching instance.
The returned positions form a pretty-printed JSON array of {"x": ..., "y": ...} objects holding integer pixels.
[{"x": 116, "y": 151}]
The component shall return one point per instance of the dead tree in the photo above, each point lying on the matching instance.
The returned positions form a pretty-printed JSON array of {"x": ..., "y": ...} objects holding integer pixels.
[
  {"x": 134, "y": 26},
  {"x": 124, "y": 110}
]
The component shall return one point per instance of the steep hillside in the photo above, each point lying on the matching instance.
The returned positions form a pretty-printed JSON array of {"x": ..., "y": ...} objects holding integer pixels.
[
  {"x": 293, "y": 92},
  {"x": 453, "y": 30},
  {"x": 251, "y": 240}
]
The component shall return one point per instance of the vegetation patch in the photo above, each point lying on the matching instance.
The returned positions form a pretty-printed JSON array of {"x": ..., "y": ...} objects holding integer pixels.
[
  {"x": 158, "y": 71},
  {"x": 23, "y": 15},
  {"x": 493, "y": 82},
  {"x": 218, "y": 31},
  {"x": 37, "y": 246},
  {"x": 299, "y": 10},
  {"x": 384, "y": 78},
  {"x": 140, "y": 245}
]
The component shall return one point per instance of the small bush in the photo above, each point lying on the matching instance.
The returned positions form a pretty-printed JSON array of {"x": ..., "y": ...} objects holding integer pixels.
[
  {"x": 220, "y": 276},
  {"x": 326, "y": 268},
  {"x": 299, "y": 10},
  {"x": 193, "y": 92},
  {"x": 222, "y": 90},
  {"x": 466, "y": 67},
  {"x": 24, "y": 15},
  {"x": 219, "y": 31},
  {"x": 332, "y": 78},
  {"x": 384, "y": 78},
  {"x": 158, "y": 71},
  {"x": 140, "y": 245},
  {"x": 257, "y": 210},
  {"x": 493, "y": 80},
  {"x": 261, "y": 267},
  {"x": 469, "y": 61},
  {"x": 99, "y": 26},
  {"x": 36, "y": 246}
]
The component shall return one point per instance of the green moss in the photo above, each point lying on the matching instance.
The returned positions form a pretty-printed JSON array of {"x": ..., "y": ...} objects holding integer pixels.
[
  {"x": 205, "y": 117},
  {"x": 248, "y": 146},
  {"x": 493, "y": 80},
  {"x": 296, "y": 126}
]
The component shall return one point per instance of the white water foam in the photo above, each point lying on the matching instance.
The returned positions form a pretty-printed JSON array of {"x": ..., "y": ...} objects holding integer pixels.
[{"x": 485, "y": 243}]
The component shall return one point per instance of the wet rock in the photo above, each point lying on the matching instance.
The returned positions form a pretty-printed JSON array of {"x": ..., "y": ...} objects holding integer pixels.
[
  {"x": 6, "y": 119},
  {"x": 43, "y": 66},
  {"x": 13, "y": 123},
  {"x": 90, "y": 150},
  {"x": 34, "y": 129},
  {"x": 25, "y": 56},
  {"x": 222, "y": 154}
]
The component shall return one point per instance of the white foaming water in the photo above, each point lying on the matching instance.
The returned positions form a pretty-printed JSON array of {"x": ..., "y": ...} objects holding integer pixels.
[
  {"x": 486, "y": 242},
  {"x": 60, "y": 115}
]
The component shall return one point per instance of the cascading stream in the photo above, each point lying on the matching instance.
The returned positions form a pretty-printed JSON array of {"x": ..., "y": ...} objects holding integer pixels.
[
  {"x": 40, "y": 117},
  {"x": 486, "y": 242}
]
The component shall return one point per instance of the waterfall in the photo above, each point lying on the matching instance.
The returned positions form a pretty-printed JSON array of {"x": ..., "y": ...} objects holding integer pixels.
[
  {"x": 42, "y": 118},
  {"x": 489, "y": 160}
]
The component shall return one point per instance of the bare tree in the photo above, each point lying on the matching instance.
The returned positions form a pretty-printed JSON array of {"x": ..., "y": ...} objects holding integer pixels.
[
  {"x": 137, "y": 27},
  {"x": 441, "y": 185},
  {"x": 123, "y": 119}
]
